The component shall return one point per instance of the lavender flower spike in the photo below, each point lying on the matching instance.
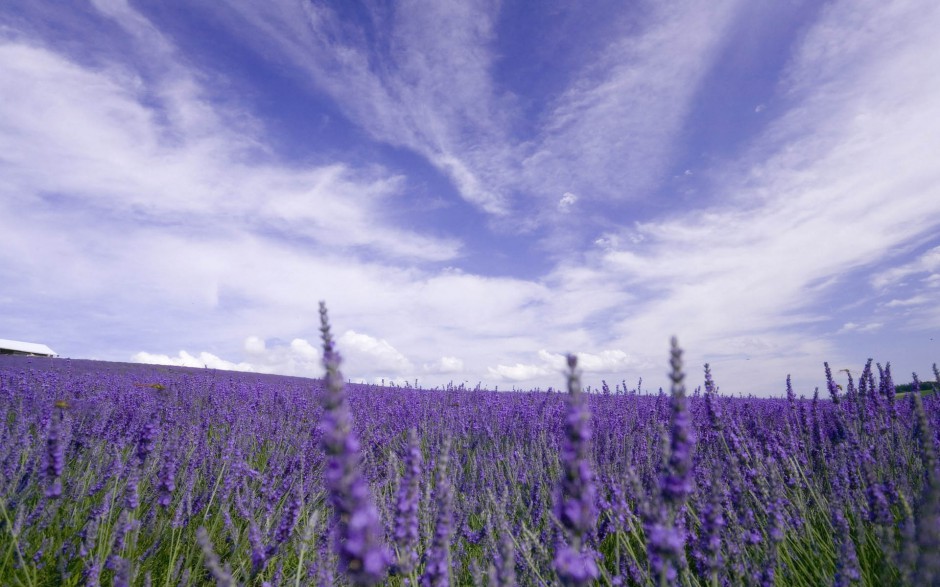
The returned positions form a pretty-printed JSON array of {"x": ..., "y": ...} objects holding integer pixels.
[
  {"x": 576, "y": 506},
  {"x": 677, "y": 482},
  {"x": 406, "y": 516},
  {"x": 222, "y": 575},
  {"x": 55, "y": 457},
  {"x": 358, "y": 532},
  {"x": 847, "y": 570},
  {"x": 831, "y": 385},
  {"x": 928, "y": 514},
  {"x": 665, "y": 544},
  {"x": 437, "y": 569}
]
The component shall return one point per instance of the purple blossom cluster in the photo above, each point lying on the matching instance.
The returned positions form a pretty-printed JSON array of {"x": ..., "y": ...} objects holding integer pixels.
[
  {"x": 114, "y": 474},
  {"x": 577, "y": 492},
  {"x": 363, "y": 556},
  {"x": 437, "y": 568},
  {"x": 407, "y": 530}
]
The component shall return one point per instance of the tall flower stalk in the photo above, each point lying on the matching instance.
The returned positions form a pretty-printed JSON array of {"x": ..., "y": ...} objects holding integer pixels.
[
  {"x": 575, "y": 506},
  {"x": 665, "y": 542},
  {"x": 437, "y": 567},
  {"x": 927, "y": 570},
  {"x": 406, "y": 515},
  {"x": 55, "y": 454},
  {"x": 358, "y": 532}
]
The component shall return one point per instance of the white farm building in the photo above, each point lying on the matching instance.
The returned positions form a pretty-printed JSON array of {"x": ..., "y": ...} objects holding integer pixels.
[{"x": 15, "y": 347}]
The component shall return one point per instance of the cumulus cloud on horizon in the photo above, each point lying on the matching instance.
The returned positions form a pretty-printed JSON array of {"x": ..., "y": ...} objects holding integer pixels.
[{"x": 184, "y": 359}]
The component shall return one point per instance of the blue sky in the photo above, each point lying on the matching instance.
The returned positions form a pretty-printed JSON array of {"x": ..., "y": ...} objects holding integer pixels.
[{"x": 475, "y": 187}]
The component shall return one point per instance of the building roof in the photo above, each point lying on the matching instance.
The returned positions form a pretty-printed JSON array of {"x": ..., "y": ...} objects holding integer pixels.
[{"x": 32, "y": 348}]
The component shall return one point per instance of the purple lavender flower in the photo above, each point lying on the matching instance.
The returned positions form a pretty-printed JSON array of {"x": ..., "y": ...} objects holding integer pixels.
[
  {"x": 537, "y": 505},
  {"x": 121, "y": 568},
  {"x": 928, "y": 512},
  {"x": 665, "y": 544},
  {"x": 831, "y": 385},
  {"x": 575, "y": 567},
  {"x": 878, "y": 508},
  {"x": 55, "y": 457},
  {"x": 713, "y": 411},
  {"x": 847, "y": 570},
  {"x": 167, "y": 478},
  {"x": 363, "y": 558},
  {"x": 709, "y": 542},
  {"x": 131, "y": 495},
  {"x": 865, "y": 385},
  {"x": 124, "y": 526},
  {"x": 259, "y": 554},
  {"x": 504, "y": 562},
  {"x": 92, "y": 574},
  {"x": 406, "y": 511},
  {"x": 576, "y": 505},
  {"x": 89, "y": 533},
  {"x": 288, "y": 521},
  {"x": 437, "y": 566},
  {"x": 886, "y": 382},
  {"x": 222, "y": 575},
  {"x": 676, "y": 484},
  {"x": 710, "y": 387},
  {"x": 850, "y": 392},
  {"x": 146, "y": 441}
]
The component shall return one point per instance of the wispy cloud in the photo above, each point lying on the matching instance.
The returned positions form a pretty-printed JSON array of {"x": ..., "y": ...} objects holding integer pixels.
[
  {"x": 914, "y": 301},
  {"x": 611, "y": 135},
  {"x": 415, "y": 75},
  {"x": 161, "y": 150},
  {"x": 853, "y": 327},
  {"x": 567, "y": 202},
  {"x": 419, "y": 75},
  {"x": 928, "y": 262},
  {"x": 835, "y": 185},
  {"x": 137, "y": 194}
]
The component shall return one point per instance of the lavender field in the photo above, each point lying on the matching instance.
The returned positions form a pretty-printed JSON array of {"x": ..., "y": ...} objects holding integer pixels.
[{"x": 144, "y": 475}]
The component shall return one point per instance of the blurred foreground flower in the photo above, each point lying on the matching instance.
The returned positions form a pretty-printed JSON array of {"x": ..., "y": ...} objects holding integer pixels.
[
  {"x": 577, "y": 493},
  {"x": 358, "y": 532}
]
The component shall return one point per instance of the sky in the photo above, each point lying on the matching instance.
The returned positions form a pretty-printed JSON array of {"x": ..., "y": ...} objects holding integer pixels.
[{"x": 475, "y": 188}]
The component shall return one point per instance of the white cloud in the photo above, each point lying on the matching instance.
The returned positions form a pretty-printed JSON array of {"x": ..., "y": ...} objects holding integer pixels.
[
  {"x": 519, "y": 372},
  {"x": 184, "y": 359},
  {"x": 445, "y": 365},
  {"x": 612, "y": 132},
  {"x": 567, "y": 201},
  {"x": 554, "y": 365},
  {"x": 808, "y": 211},
  {"x": 607, "y": 361},
  {"x": 304, "y": 349},
  {"x": 609, "y": 133},
  {"x": 913, "y": 301},
  {"x": 853, "y": 327},
  {"x": 364, "y": 358},
  {"x": 254, "y": 345},
  {"x": 93, "y": 138},
  {"x": 430, "y": 91},
  {"x": 928, "y": 262},
  {"x": 126, "y": 197},
  {"x": 373, "y": 354}
]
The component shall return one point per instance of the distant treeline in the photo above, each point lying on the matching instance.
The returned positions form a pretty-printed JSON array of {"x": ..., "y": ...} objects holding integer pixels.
[{"x": 924, "y": 386}]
